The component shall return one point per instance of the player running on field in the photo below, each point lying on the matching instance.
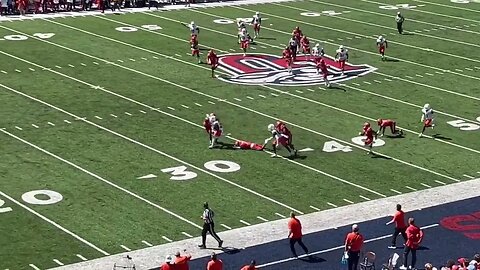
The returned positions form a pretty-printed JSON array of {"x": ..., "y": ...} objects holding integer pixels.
[
  {"x": 341, "y": 57},
  {"x": 317, "y": 52},
  {"x": 287, "y": 55},
  {"x": 322, "y": 67},
  {"x": 305, "y": 45},
  {"x": 280, "y": 140},
  {"x": 283, "y": 129},
  {"x": 217, "y": 131},
  {"x": 292, "y": 43},
  {"x": 370, "y": 134},
  {"x": 256, "y": 22},
  {"x": 195, "y": 48},
  {"x": 244, "y": 41},
  {"x": 297, "y": 35},
  {"x": 194, "y": 29},
  {"x": 384, "y": 123},
  {"x": 382, "y": 44},
  {"x": 212, "y": 60},
  {"x": 427, "y": 118}
]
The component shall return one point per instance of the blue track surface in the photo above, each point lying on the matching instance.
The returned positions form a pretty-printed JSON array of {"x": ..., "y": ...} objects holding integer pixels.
[{"x": 456, "y": 235}]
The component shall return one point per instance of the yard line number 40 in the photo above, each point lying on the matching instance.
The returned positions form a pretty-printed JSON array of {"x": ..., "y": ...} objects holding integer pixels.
[{"x": 36, "y": 197}]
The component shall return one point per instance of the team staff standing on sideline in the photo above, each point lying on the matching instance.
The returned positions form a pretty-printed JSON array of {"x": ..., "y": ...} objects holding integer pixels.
[
  {"x": 414, "y": 238},
  {"x": 250, "y": 266},
  {"x": 353, "y": 246},
  {"x": 295, "y": 234},
  {"x": 181, "y": 262},
  {"x": 399, "y": 19},
  {"x": 400, "y": 226},
  {"x": 214, "y": 263},
  {"x": 208, "y": 226}
]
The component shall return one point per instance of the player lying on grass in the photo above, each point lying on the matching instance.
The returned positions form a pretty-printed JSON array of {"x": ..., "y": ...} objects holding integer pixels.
[
  {"x": 427, "y": 118},
  {"x": 281, "y": 139},
  {"x": 370, "y": 134},
  {"x": 249, "y": 145},
  {"x": 384, "y": 123}
]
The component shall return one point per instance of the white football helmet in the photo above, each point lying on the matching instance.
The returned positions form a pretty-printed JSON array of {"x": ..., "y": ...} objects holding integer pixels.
[
  {"x": 270, "y": 127},
  {"x": 380, "y": 37},
  {"x": 426, "y": 106},
  {"x": 257, "y": 13},
  {"x": 341, "y": 47}
]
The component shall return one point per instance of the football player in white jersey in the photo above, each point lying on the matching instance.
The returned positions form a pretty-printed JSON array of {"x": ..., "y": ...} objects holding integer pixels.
[
  {"x": 382, "y": 44},
  {"x": 244, "y": 39},
  {"x": 341, "y": 57},
  {"x": 194, "y": 29},
  {"x": 292, "y": 43},
  {"x": 256, "y": 21},
  {"x": 427, "y": 118},
  {"x": 280, "y": 140},
  {"x": 317, "y": 52},
  {"x": 217, "y": 130}
]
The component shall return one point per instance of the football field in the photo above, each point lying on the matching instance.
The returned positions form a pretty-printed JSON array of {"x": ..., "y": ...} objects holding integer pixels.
[{"x": 103, "y": 148}]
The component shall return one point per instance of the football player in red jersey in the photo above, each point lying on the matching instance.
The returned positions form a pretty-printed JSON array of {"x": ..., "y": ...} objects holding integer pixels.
[
  {"x": 297, "y": 34},
  {"x": 382, "y": 44},
  {"x": 207, "y": 124},
  {"x": 384, "y": 123},
  {"x": 370, "y": 134},
  {"x": 212, "y": 60},
  {"x": 195, "y": 48},
  {"x": 249, "y": 145},
  {"x": 280, "y": 139},
  {"x": 283, "y": 129},
  {"x": 322, "y": 66},
  {"x": 287, "y": 55},
  {"x": 305, "y": 45}
]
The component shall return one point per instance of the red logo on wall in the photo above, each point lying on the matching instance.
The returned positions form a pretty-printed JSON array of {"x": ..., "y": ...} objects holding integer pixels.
[{"x": 469, "y": 225}]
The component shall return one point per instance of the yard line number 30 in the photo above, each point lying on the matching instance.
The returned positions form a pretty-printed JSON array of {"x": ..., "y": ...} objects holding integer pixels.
[{"x": 181, "y": 173}]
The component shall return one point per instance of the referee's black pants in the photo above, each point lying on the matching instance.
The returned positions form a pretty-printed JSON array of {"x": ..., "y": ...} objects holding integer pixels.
[
  {"x": 210, "y": 228},
  {"x": 300, "y": 242},
  {"x": 400, "y": 27}
]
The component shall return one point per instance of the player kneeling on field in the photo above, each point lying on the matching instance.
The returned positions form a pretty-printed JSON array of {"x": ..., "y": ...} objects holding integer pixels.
[{"x": 384, "y": 123}]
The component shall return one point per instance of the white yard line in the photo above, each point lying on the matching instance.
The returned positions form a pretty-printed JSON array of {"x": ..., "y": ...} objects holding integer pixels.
[
  {"x": 280, "y": 215},
  {"x": 425, "y": 185},
  {"x": 98, "y": 117},
  {"x": 237, "y": 99},
  {"x": 348, "y": 201},
  {"x": 51, "y": 124},
  {"x": 167, "y": 239},
  {"x": 468, "y": 176},
  {"x": 187, "y": 234},
  {"x": 331, "y": 204},
  {"x": 198, "y": 104},
  {"x": 185, "y": 106},
  {"x": 127, "y": 113},
  {"x": 440, "y": 182},
  {"x": 113, "y": 115},
  {"x": 413, "y": 189},
  {"x": 66, "y": 121},
  {"x": 34, "y": 266},
  {"x": 244, "y": 222},
  {"x": 82, "y": 257},
  {"x": 58, "y": 262},
  {"x": 35, "y": 126},
  {"x": 262, "y": 218},
  {"x": 365, "y": 198},
  {"x": 19, "y": 128},
  {"x": 395, "y": 191},
  {"x": 225, "y": 226},
  {"x": 47, "y": 219},
  {"x": 147, "y": 243},
  {"x": 125, "y": 248},
  {"x": 314, "y": 208}
]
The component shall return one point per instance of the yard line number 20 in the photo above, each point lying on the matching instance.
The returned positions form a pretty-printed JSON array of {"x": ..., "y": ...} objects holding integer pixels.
[{"x": 36, "y": 197}]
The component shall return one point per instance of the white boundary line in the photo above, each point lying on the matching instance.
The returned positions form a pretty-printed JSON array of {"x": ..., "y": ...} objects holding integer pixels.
[
  {"x": 144, "y": 146},
  {"x": 51, "y": 221}
]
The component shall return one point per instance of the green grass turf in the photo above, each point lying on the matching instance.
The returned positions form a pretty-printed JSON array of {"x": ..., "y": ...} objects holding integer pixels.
[{"x": 143, "y": 68}]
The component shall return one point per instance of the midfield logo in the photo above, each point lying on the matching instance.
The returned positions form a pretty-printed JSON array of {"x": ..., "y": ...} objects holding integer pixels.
[{"x": 265, "y": 69}]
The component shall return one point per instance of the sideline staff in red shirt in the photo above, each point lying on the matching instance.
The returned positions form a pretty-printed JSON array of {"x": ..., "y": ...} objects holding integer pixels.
[
  {"x": 353, "y": 246},
  {"x": 414, "y": 238},
  {"x": 295, "y": 234},
  {"x": 400, "y": 226}
]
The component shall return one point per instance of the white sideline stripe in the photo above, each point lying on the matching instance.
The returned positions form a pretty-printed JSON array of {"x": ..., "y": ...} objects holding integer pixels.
[
  {"x": 126, "y": 248},
  {"x": 131, "y": 59},
  {"x": 348, "y": 201},
  {"x": 425, "y": 185},
  {"x": 459, "y": 70},
  {"x": 157, "y": 151},
  {"x": 51, "y": 124},
  {"x": 468, "y": 176},
  {"x": 147, "y": 243},
  {"x": 200, "y": 93},
  {"x": 19, "y": 128},
  {"x": 440, "y": 182},
  {"x": 332, "y": 249},
  {"x": 102, "y": 179},
  {"x": 185, "y": 106},
  {"x": 58, "y": 262},
  {"x": 187, "y": 235},
  {"x": 331, "y": 204},
  {"x": 46, "y": 219},
  {"x": 280, "y": 215},
  {"x": 244, "y": 222},
  {"x": 98, "y": 117},
  {"x": 167, "y": 239},
  {"x": 365, "y": 198},
  {"x": 225, "y": 226},
  {"x": 33, "y": 266},
  {"x": 127, "y": 113},
  {"x": 198, "y": 104},
  {"x": 82, "y": 258},
  {"x": 396, "y": 191},
  {"x": 262, "y": 219},
  {"x": 173, "y": 109},
  {"x": 35, "y": 126},
  {"x": 314, "y": 208},
  {"x": 438, "y": 72}
]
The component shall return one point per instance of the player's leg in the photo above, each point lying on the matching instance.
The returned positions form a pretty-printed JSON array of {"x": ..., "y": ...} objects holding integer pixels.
[{"x": 274, "y": 146}]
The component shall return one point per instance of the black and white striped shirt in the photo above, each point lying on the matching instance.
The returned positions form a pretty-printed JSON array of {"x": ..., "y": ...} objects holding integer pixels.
[{"x": 208, "y": 216}]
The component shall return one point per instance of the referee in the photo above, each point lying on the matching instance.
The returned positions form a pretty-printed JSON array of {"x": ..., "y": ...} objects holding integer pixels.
[
  {"x": 399, "y": 19},
  {"x": 208, "y": 226}
]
